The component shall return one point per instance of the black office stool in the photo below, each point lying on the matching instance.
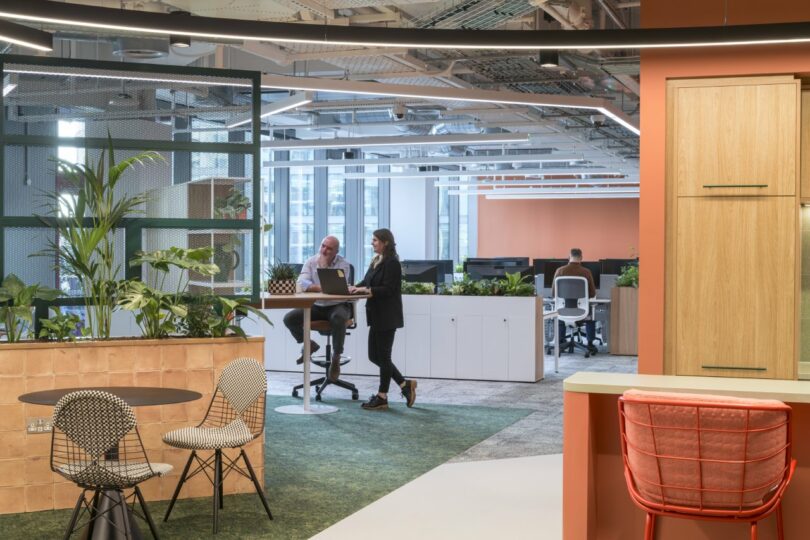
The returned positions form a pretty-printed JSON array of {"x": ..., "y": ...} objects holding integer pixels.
[{"x": 323, "y": 328}]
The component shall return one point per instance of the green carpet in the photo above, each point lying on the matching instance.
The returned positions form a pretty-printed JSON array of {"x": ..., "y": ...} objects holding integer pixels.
[{"x": 320, "y": 469}]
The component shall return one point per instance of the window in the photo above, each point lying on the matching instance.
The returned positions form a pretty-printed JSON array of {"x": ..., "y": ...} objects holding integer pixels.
[
  {"x": 463, "y": 228},
  {"x": 444, "y": 226},
  {"x": 371, "y": 216},
  {"x": 336, "y": 204},
  {"x": 302, "y": 208},
  {"x": 267, "y": 208}
]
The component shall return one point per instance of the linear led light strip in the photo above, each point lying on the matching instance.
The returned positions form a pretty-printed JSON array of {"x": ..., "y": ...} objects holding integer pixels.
[
  {"x": 421, "y": 160},
  {"x": 295, "y": 83},
  {"x": 460, "y": 186},
  {"x": 550, "y": 190},
  {"x": 366, "y": 142},
  {"x": 280, "y": 106},
  {"x": 128, "y": 77},
  {"x": 480, "y": 174},
  {"x": 26, "y": 36},
  {"x": 324, "y": 87},
  {"x": 212, "y": 28},
  {"x": 593, "y": 195}
]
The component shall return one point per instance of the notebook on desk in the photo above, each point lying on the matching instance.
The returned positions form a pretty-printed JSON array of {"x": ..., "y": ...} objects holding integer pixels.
[{"x": 333, "y": 281}]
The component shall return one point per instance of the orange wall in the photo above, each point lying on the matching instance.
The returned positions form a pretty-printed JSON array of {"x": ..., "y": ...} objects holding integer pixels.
[
  {"x": 602, "y": 228},
  {"x": 656, "y": 68}
]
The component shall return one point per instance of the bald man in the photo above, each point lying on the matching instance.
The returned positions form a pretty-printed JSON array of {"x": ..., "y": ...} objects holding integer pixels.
[{"x": 337, "y": 313}]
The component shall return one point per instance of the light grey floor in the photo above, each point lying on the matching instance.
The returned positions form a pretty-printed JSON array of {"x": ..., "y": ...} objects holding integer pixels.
[{"x": 539, "y": 433}]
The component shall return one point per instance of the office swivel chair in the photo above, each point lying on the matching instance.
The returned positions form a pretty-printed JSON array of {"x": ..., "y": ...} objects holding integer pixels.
[
  {"x": 324, "y": 329},
  {"x": 572, "y": 305}
]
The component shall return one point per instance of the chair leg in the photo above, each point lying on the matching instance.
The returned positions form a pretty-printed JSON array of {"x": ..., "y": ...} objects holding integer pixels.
[
  {"x": 124, "y": 514},
  {"x": 753, "y": 530},
  {"x": 146, "y": 513},
  {"x": 93, "y": 513},
  {"x": 179, "y": 485},
  {"x": 780, "y": 528},
  {"x": 217, "y": 487},
  {"x": 256, "y": 484},
  {"x": 221, "y": 483},
  {"x": 649, "y": 527},
  {"x": 75, "y": 516}
]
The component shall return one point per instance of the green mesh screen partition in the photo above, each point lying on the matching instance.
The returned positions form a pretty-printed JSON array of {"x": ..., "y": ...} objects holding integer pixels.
[{"x": 201, "y": 188}]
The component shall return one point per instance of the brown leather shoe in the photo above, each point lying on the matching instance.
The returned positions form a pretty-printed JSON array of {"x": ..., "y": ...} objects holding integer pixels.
[
  {"x": 409, "y": 392},
  {"x": 334, "y": 367}
]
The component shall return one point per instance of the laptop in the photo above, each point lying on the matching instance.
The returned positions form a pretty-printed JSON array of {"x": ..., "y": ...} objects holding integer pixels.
[{"x": 333, "y": 281}]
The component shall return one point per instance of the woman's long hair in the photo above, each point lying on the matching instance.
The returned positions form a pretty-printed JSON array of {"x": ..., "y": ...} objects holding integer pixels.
[{"x": 390, "y": 250}]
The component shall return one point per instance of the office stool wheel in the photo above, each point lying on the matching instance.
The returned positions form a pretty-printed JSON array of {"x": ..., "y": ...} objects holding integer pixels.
[
  {"x": 355, "y": 396},
  {"x": 317, "y": 397},
  {"x": 295, "y": 393}
]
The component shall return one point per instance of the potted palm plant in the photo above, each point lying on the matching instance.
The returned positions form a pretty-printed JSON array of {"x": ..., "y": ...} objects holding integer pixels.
[{"x": 281, "y": 278}]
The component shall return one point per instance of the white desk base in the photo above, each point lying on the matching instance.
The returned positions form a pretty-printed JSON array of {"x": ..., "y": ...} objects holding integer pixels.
[{"x": 300, "y": 409}]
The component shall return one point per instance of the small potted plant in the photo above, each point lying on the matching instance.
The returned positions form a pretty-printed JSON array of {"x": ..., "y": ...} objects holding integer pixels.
[{"x": 281, "y": 278}]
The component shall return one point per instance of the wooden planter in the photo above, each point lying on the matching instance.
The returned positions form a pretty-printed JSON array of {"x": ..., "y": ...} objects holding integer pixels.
[
  {"x": 26, "y": 481},
  {"x": 624, "y": 321}
]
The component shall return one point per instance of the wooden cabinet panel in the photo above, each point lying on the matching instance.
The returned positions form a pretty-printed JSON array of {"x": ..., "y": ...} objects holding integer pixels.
[
  {"x": 735, "y": 139},
  {"x": 735, "y": 301},
  {"x": 805, "y": 146}
]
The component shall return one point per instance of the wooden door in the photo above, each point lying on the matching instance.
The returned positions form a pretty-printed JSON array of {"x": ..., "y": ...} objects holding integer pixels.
[
  {"x": 735, "y": 139},
  {"x": 735, "y": 300}
]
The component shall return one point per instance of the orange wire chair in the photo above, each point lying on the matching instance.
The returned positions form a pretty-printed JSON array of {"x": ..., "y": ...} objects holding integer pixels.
[{"x": 706, "y": 457}]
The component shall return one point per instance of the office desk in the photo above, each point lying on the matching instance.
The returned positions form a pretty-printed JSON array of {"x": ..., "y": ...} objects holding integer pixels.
[{"x": 305, "y": 301}]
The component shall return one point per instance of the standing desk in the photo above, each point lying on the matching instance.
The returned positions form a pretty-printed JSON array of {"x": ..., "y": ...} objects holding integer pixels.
[{"x": 305, "y": 302}]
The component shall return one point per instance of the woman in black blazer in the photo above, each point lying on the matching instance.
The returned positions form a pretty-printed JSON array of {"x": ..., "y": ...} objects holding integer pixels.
[{"x": 383, "y": 281}]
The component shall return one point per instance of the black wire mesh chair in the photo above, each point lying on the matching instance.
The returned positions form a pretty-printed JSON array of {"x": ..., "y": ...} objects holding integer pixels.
[
  {"x": 95, "y": 443},
  {"x": 234, "y": 418}
]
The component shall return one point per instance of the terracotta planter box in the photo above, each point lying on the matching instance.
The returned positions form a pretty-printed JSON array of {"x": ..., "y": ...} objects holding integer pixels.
[
  {"x": 26, "y": 481},
  {"x": 624, "y": 321}
]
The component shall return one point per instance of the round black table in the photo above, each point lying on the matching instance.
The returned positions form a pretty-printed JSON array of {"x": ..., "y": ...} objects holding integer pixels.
[{"x": 134, "y": 396}]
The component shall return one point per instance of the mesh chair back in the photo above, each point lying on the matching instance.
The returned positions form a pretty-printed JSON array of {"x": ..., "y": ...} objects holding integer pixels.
[
  {"x": 240, "y": 396},
  {"x": 242, "y": 382},
  {"x": 718, "y": 455},
  {"x": 95, "y": 441},
  {"x": 571, "y": 298}
]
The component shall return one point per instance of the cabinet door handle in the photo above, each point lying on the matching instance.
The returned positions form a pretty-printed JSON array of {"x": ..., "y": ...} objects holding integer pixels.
[
  {"x": 505, "y": 320},
  {"x": 712, "y": 186},
  {"x": 739, "y": 368},
  {"x": 452, "y": 319}
]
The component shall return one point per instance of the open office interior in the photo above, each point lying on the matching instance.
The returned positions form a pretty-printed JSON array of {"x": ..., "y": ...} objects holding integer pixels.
[{"x": 183, "y": 186}]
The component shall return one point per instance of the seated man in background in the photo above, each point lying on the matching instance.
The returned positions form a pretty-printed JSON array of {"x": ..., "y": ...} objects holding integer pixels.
[
  {"x": 336, "y": 312},
  {"x": 575, "y": 268}
]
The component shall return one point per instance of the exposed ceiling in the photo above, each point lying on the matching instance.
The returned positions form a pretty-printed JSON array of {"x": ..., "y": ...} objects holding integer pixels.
[{"x": 611, "y": 78}]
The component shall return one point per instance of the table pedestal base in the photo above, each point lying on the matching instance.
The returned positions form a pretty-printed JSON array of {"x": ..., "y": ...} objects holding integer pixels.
[{"x": 299, "y": 409}]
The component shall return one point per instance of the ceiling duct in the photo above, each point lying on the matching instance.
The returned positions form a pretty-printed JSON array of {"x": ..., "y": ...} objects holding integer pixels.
[{"x": 140, "y": 48}]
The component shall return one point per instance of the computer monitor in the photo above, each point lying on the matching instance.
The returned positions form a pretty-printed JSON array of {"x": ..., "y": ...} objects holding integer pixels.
[
  {"x": 297, "y": 267},
  {"x": 481, "y": 271},
  {"x": 443, "y": 266},
  {"x": 496, "y": 261},
  {"x": 614, "y": 266},
  {"x": 549, "y": 269},
  {"x": 596, "y": 270},
  {"x": 420, "y": 273},
  {"x": 539, "y": 264},
  {"x": 511, "y": 261}
]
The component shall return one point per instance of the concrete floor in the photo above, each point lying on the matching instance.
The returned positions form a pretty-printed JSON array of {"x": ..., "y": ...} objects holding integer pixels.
[{"x": 540, "y": 433}]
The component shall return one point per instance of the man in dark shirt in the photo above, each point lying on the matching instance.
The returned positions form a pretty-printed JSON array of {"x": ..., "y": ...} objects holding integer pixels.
[{"x": 575, "y": 268}]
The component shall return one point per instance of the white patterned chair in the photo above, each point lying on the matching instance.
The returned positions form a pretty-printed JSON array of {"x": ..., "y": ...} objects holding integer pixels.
[
  {"x": 234, "y": 418},
  {"x": 95, "y": 443}
]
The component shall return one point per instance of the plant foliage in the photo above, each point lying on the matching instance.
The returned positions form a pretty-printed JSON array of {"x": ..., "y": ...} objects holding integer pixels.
[
  {"x": 628, "y": 277},
  {"x": 417, "y": 288},
  {"x": 281, "y": 271},
  {"x": 60, "y": 326},
  {"x": 158, "y": 311},
  {"x": 16, "y": 303},
  {"x": 88, "y": 216}
]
